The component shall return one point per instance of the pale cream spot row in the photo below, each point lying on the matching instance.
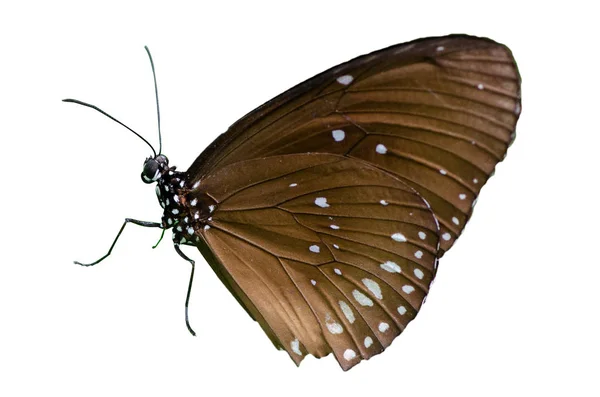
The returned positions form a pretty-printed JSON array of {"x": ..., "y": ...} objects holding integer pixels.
[
  {"x": 391, "y": 267},
  {"x": 361, "y": 298},
  {"x": 347, "y": 310},
  {"x": 399, "y": 237},
  {"x": 338, "y": 135},
  {"x": 345, "y": 79},
  {"x": 321, "y": 202},
  {"x": 295, "y": 345},
  {"x": 373, "y": 287}
]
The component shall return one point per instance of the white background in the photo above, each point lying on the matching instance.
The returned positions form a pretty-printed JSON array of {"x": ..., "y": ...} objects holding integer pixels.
[{"x": 514, "y": 310}]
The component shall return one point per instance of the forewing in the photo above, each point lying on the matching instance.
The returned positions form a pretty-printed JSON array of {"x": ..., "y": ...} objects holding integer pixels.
[
  {"x": 437, "y": 113},
  {"x": 328, "y": 253}
]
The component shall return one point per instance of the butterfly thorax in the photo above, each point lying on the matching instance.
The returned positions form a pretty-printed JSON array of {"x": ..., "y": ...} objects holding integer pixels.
[{"x": 186, "y": 209}]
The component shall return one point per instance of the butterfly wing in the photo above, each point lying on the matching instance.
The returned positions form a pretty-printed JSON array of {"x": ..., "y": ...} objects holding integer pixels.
[
  {"x": 438, "y": 113},
  {"x": 327, "y": 253}
]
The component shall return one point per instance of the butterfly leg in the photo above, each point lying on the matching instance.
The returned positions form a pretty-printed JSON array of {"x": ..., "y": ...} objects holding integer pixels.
[
  {"x": 187, "y": 299},
  {"x": 127, "y": 220}
]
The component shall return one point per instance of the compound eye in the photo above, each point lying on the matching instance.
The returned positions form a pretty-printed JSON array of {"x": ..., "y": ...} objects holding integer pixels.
[{"x": 151, "y": 171}]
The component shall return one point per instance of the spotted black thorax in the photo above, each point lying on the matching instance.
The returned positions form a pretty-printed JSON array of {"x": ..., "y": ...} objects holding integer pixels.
[{"x": 186, "y": 209}]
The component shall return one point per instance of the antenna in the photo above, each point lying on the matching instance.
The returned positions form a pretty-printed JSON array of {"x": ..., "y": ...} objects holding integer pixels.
[
  {"x": 110, "y": 117},
  {"x": 156, "y": 95}
]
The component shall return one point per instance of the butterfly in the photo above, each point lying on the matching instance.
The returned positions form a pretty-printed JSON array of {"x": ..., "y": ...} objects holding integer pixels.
[{"x": 325, "y": 210}]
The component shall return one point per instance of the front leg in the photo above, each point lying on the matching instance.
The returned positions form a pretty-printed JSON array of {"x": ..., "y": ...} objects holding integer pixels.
[
  {"x": 127, "y": 220},
  {"x": 187, "y": 298}
]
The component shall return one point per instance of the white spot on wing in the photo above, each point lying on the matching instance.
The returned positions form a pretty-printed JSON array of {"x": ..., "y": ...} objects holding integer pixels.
[
  {"x": 333, "y": 326},
  {"x": 422, "y": 235},
  {"x": 194, "y": 202},
  {"x": 408, "y": 289},
  {"x": 380, "y": 148},
  {"x": 480, "y": 86},
  {"x": 190, "y": 230},
  {"x": 402, "y": 310},
  {"x": 475, "y": 180},
  {"x": 462, "y": 196},
  {"x": 338, "y": 135},
  {"x": 337, "y": 271},
  {"x": 391, "y": 267},
  {"x": 337, "y": 247},
  {"x": 446, "y": 236},
  {"x": 321, "y": 202},
  {"x": 383, "y": 202},
  {"x": 455, "y": 220},
  {"x": 383, "y": 326},
  {"x": 295, "y": 345},
  {"x": 368, "y": 341},
  {"x": 314, "y": 248},
  {"x": 373, "y": 287},
  {"x": 443, "y": 172},
  {"x": 440, "y": 48},
  {"x": 419, "y": 254},
  {"x": 313, "y": 282},
  {"x": 419, "y": 274},
  {"x": 334, "y": 227},
  {"x": 399, "y": 237},
  {"x": 206, "y": 227},
  {"x": 293, "y": 184},
  {"x": 345, "y": 79},
  {"x": 361, "y": 298},
  {"x": 175, "y": 211},
  {"x": 349, "y": 354},
  {"x": 347, "y": 311}
]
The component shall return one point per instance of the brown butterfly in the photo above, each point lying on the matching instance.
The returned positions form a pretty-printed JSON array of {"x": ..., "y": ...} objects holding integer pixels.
[{"x": 325, "y": 210}]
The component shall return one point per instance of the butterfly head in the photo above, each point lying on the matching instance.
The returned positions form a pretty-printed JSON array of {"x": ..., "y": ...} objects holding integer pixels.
[{"x": 154, "y": 168}]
